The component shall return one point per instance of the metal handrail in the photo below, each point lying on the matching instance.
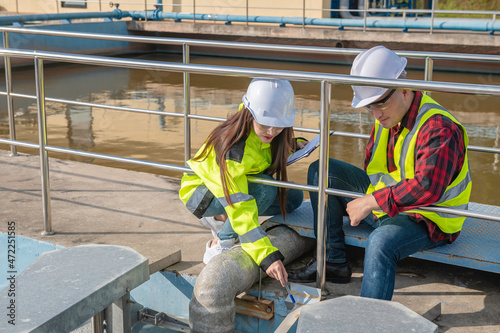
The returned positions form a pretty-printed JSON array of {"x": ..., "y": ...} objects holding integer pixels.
[
  {"x": 248, "y": 46},
  {"x": 186, "y": 43},
  {"x": 325, "y": 79}
]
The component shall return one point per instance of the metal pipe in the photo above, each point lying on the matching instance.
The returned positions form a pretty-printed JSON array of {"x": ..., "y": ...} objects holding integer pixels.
[
  {"x": 429, "y": 69},
  {"x": 432, "y": 14},
  {"x": 180, "y": 169},
  {"x": 187, "y": 105},
  {"x": 194, "y": 12},
  {"x": 212, "y": 307},
  {"x": 247, "y": 12},
  {"x": 248, "y": 46},
  {"x": 10, "y": 19},
  {"x": 473, "y": 89},
  {"x": 42, "y": 142},
  {"x": 323, "y": 183},
  {"x": 344, "y": 22},
  {"x": 303, "y": 14},
  {"x": 8, "y": 88}
]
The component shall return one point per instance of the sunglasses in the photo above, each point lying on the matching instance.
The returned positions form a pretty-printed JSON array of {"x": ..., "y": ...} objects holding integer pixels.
[
  {"x": 380, "y": 105},
  {"x": 267, "y": 128}
]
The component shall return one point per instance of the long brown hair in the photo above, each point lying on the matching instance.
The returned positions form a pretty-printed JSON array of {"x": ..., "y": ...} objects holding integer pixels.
[{"x": 237, "y": 127}]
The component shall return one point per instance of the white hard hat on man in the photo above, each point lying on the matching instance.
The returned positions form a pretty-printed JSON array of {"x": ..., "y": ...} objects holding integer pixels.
[
  {"x": 271, "y": 102},
  {"x": 377, "y": 62}
]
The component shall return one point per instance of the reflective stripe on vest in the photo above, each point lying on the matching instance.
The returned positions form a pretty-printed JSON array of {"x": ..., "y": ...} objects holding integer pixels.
[{"x": 457, "y": 193}]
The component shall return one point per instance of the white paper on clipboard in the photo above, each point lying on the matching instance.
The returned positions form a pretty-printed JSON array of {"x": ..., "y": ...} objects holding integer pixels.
[{"x": 306, "y": 151}]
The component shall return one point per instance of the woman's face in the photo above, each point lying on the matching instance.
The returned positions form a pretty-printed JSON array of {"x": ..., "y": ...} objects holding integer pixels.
[{"x": 266, "y": 133}]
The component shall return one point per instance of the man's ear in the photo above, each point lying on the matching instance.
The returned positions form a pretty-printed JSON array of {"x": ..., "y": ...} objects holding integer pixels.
[{"x": 407, "y": 94}]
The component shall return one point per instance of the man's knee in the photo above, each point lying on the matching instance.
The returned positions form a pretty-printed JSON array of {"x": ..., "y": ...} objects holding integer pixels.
[{"x": 379, "y": 245}]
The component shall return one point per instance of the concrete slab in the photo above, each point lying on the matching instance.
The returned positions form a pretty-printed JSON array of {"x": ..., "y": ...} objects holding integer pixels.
[
  {"x": 100, "y": 205},
  {"x": 62, "y": 289},
  {"x": 359, "y": 314}
]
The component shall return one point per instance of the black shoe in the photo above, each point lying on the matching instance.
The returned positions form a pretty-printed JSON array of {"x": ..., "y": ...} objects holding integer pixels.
[{"x": 336, "y": 273}]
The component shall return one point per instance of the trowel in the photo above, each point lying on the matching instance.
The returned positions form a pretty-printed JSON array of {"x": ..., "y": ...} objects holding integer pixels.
[{"x": 298, "y": 296}]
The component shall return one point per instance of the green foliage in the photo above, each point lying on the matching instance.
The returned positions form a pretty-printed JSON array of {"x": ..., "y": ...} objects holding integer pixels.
[{"x": 484, "y": 5}]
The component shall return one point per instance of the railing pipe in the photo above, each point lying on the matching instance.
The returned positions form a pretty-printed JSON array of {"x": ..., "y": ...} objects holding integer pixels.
[
  {"x": 433, "y": 14},
  {"x": 181, "y": 169},
  {"x": 187, "y": 105},
  {"x": 42, "y": 141},
  {"x": 249, "y": 46},
  {"x": 8, "y": 88},
  {"x": 323, "y": 184},
  {"x": 303, "y": 14},
  {"x": 341, "y": 79},
  {"x": 429, "y": 69}
]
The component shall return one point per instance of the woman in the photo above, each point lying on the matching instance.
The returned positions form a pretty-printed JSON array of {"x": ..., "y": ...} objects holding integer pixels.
[{"x": 256, "y": 141}]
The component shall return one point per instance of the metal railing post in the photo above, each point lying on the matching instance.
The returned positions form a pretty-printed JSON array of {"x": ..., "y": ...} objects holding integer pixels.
[
  {"x": 42, "y": 142},
  {"x": 303, "y": 14},
  {"x": 365, "y": 14},
  {"x": 187, "y": 105},
  {"x": 323, "y": 183},
  {"x": 8, "y": 88},
  {"x": 429, "y": 68},
  {"x": 432, "y": 14},
  {"x": 146, "y": 10},
  {"x": 247, "y": 11},
  {"x": 194, "y": 11}
]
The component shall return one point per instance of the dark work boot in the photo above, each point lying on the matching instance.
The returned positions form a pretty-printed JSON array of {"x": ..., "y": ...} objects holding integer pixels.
[{"x": 336, "y": 273}]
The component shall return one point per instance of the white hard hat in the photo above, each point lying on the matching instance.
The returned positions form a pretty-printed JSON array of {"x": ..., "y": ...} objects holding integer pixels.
[
  {"x": 271, "y": 102},
  {"x": 378, "y": 62}
]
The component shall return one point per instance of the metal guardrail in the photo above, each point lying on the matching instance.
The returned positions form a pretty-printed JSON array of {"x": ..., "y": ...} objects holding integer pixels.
[
  {"x": 428, "y": 57},
  {"x": 326, "y": 81}
]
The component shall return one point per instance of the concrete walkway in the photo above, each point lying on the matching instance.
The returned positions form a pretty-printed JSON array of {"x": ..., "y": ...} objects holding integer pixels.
[{"x": 100, "y": 205}]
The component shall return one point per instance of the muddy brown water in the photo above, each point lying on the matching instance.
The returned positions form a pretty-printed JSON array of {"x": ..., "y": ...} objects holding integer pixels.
[{"x": 160, "y": 138}]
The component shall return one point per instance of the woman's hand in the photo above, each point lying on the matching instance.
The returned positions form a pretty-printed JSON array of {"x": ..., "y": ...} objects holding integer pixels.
[
  {"x": 301, "y": 144},
  {"x": 277, "y": 271}
]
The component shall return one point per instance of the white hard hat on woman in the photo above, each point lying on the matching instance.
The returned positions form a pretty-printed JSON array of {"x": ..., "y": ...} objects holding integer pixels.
[
  {"x": 271, "y": 102},
  {"x": 377, "y": 62}
]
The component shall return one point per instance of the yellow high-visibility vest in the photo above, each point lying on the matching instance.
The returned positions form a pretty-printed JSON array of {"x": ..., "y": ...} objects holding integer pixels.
[
  {"x": 457, "y": 193},
  {"x": 246, "y": 158}
]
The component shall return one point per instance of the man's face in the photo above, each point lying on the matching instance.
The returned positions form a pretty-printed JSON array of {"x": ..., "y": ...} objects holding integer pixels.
[{"x": 389, "y": 109}]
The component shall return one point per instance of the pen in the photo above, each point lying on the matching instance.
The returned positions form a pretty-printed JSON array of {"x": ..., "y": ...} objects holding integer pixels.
[{"x": 289, "y": 293}]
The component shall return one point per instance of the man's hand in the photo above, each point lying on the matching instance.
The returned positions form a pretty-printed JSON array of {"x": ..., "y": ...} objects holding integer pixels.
[
  {"x": 359, "y": 208},
  {"x": 277, "y": 271}
]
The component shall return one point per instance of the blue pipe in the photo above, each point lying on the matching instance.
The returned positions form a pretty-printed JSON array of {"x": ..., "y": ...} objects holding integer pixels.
[
  {"x": 10, "y": 19},
  {"x": 282, "y": 20},
  {"x": 357, "y": 23}
]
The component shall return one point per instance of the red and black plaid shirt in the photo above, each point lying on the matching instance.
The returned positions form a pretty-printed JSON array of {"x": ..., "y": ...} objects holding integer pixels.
[{"x": 439, "y": 156}]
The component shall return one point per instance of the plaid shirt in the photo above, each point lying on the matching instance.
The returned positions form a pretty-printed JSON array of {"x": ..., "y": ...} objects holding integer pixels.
[{"x": 439, "y": 156}]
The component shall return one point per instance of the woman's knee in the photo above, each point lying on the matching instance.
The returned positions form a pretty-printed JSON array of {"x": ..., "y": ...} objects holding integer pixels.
[{"x": 294, "y": 199}]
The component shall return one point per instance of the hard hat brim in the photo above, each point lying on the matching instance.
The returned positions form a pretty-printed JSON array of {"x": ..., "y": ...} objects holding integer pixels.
[
  {"x": 272, "y": 121},
  {"x": 359, "y": 103}
]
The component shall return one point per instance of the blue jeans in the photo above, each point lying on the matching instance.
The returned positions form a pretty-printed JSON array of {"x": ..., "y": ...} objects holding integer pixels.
[
  {"x": 265, "y": 196},
  {"x": 391, "y": 240}
]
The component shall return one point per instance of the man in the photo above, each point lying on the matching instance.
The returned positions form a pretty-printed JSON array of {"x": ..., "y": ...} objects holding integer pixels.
[{"x": 416, "y": 157}]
